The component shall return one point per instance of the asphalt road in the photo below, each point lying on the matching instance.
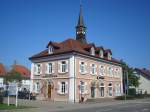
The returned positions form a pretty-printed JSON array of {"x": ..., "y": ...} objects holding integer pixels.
[{"x": 129, "y": 107}]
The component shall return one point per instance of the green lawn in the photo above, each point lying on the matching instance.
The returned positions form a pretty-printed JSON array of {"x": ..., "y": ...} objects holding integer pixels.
[{"x": 6, "y": 107}]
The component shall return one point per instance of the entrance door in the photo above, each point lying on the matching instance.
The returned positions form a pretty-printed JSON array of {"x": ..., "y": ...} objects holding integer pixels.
[
  {"x": 93, "y": 92},
  {"x": 49, "y": 91}
]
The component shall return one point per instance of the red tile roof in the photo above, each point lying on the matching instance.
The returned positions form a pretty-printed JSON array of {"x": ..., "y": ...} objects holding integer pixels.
[
  {"x": 145, "y": 72},
  {"x": 71, "y": 45},
  {"x": 22, "y": 70},
  {"x": 2, "y": 70}
]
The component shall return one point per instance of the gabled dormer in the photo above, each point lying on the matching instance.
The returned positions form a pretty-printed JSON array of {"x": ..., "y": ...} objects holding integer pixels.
[
  {"x": 101, "y": 53},
  {"x": 108, "y": 54},
  {"x": 52, "y": 46},
  {"x": 92, "y": 51},
  {"x": 50, "y": 49}
]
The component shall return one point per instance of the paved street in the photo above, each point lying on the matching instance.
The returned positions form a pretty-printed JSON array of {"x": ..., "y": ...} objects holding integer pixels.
[
  {"x": 136, "y": 107},
  {"x": 142, "y": 105}
]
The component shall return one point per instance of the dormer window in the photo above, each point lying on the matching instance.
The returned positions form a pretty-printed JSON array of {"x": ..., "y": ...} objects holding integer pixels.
[
  {"x": 50, "y": 50},
  {"x": 109, "y": 56},
  {"x": 92, "y": 51},
  {"x": 101, "y": 54}
]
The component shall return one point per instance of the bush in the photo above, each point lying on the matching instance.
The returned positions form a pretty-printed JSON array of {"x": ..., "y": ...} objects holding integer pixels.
[
  {"x": 1, "y": 98},
  {"x": 132, "y": 91}
]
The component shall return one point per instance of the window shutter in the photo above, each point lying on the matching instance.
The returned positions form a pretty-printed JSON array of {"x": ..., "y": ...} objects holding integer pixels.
[
  {"x": 66, "y": 84},
  {"x": 91, "y": 69},
  {"x": 46, "y": 68},
  {"x": 35, "y": 69},
  {"x": 59, "y": 67},
  {"x": 80, "y": 66},
  {"x": 59, "y": 88},
  {"x": 53, "y": 67},
  {"x": 95, "y": 69},
  {"x": 85, "y": 67},
  {"x": 40, "y": 68},
  {"x": 67, "y": 66}
]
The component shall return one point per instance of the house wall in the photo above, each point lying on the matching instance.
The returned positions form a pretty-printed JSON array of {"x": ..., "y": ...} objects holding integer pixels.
[
  {"x": 73, "y": 78},
  {"x": 88, "y": 78},
  {"x": 1, "y": 81},
  {"x": 144, "y": 85}
]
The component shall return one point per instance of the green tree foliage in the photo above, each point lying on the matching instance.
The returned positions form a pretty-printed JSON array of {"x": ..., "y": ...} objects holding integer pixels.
[
  {"x": 14, "y": 76},
  {"x": 133, "y": 80}
]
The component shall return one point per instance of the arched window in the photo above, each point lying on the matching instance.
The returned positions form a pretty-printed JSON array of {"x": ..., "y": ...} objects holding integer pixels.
[{"x": 110, "y": 90}]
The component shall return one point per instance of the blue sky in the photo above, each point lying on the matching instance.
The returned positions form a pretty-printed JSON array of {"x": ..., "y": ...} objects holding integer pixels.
[{"x": 26, "y": 26}]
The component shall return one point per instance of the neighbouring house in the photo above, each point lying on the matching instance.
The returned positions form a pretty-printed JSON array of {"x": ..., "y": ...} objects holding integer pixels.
[
  {"x": 144, "y": 75},
  {"x": 74, "y": 70},
  {"x": 25, "y": 73},
  {"x": 2, "y": 74}
]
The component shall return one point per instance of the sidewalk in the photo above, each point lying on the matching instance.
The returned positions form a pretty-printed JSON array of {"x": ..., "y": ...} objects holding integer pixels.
[{"x": 48, "y": 106}]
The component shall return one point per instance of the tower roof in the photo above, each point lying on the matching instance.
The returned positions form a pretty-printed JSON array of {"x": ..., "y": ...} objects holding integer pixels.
[{"x": 80, "y": 20}]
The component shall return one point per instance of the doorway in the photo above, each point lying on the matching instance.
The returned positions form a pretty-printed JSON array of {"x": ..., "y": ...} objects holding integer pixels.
[
  {"x": 49, "y": 90},
  {"x": 93, "y": 92}
]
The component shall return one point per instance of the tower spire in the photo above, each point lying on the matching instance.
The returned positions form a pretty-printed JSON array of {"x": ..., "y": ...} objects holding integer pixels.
[{"x": 80, "y": 28}]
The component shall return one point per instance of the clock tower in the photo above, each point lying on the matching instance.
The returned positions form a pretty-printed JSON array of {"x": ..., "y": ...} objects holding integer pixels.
[{"x": 81, "y": 29}]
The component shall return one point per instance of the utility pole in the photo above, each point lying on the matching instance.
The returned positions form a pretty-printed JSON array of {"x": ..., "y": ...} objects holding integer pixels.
[{"x": 127, "y": 82}]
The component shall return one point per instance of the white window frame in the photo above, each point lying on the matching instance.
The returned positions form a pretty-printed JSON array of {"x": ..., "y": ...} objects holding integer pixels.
[
  {"x": 82, "y": 67},
  {"x": 37, "y": 69},
  {"x": 63, "y": 68},
  {"x": 102, "y": 86},
  {"x": 117, "y": 89},
  {"x": 62, "y": 87},
  {"x": 50, "y": 50},
  {"x": 93, "y": 69},
  {"x": 102, "y": 70}
]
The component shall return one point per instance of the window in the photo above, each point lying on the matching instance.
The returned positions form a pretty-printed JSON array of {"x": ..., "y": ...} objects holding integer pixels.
[
  {"x": 37, "y": 87},
  {"x": 64, "y": 67},
  {"x": 93, "y": 69},
  {"x": 82, "y": 87},
  {"x": 50, "y": 50},
  {"x": 63, "y": 87},
  {"x": 50, "y": 69},
  {"x": 102, "y": 90},
  {"x": 102, "y": 70},
  {"x": 82, "y": 67},
  {"x": 110, "y": 71},
  {"x": 117, "y": 90},
  {"x": 39, "y": 69},
  {"x": 110, "y": 89}
]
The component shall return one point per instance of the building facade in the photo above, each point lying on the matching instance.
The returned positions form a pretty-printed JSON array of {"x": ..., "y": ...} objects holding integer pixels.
[
  {"x": 144, "y": 80},
  {"x": 74, "y": 70},
  {"x": 2, "y": 74}
]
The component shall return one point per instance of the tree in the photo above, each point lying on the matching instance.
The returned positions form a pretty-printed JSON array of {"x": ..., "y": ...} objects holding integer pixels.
[
  {"x": 129, "y": 79},
  {"x": 14, "y": 76}
]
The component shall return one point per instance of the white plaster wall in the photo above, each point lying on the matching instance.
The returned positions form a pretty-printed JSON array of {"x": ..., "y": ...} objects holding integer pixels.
[{"x": 144, "y": 84}]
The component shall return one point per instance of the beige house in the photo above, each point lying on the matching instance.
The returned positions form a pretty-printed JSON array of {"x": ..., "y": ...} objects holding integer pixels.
[
  {"x": 144, "y": 75},
  {"x": 74, "y": 69}
]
